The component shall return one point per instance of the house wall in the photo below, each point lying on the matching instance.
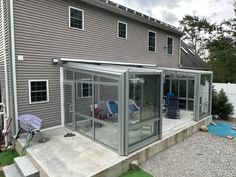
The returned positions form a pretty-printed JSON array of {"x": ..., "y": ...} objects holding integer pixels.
[{"x": 42, "y": 32}]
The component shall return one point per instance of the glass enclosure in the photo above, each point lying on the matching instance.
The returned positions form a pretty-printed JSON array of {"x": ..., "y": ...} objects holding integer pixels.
[
  {"x": 192, "y": 90},
  {"x": 115, "y": 106}
]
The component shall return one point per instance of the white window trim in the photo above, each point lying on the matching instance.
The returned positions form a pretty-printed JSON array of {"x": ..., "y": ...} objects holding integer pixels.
[
  {"x": 70, "y": 7},
  {"x": 172, "y": 45},
  {"x": 126, "y": 31},
  {"x": 81, "y": 88},
  {"x": 29, "y": 86},
  {"x": 155, "y": 42}
]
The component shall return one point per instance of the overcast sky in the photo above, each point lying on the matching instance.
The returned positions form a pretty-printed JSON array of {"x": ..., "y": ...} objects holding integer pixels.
[{"x": 171, "y": 11}]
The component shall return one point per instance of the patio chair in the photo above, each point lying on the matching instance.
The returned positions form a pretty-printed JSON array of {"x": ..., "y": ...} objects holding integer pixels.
[
  {"x": 32, "y": 125},
  {"x": 112, "y": 106},
  {"x": 134, "y": 110}
]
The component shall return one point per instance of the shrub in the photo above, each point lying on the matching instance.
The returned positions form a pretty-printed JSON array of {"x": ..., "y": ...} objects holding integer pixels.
[{"x": 220, "y": 104}]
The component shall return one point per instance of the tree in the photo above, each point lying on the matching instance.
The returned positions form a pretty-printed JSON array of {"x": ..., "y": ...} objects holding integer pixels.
[
  {"x": 222, "y": 51},
  {"x": 222, "y": 59},
  {"x": 221, "y": 105},
  {"x": 197, "y": 32}
]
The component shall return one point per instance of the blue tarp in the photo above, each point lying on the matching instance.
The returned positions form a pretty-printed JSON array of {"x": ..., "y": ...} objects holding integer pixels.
[{"x": 222, "y": 129}]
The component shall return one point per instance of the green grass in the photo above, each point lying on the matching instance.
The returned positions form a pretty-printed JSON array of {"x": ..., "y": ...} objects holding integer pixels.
[
  {"x": 7, "y": 158},
  {"x": 136, "y": 173}
]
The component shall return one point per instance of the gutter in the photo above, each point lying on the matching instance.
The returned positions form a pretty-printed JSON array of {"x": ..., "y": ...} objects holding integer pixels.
[
  {"x": 58, "y": 60},
  {"x": 14, "y": 87},
  {"x": 5, "y": 107}
]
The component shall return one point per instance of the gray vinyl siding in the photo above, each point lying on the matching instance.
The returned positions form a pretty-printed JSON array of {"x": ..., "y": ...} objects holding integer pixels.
[{"x": 42, "y": 32}]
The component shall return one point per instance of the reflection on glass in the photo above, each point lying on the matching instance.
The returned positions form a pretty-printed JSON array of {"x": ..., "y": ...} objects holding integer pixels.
[
  {"x": 190, "y": 105},
  {"x": 84, "y": 125},
  {"x": 143, "y": 106},
  {"x": 191, "y": 88},
  {"x": 204, "y": 94},
  {"x": 107, "y": 134},
  {"x": 182, "y": 88},
  {"x": 174, "y": 87},
  {"x": 182, "y": 104},
  {"x": 140, "y": 132},
  {"x": 166, "y": 87}
]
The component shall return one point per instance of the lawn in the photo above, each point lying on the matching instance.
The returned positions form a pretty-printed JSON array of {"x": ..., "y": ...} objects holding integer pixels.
[
  {"x": 7, "y": 158},
  {"x": 136, "y": 173}
]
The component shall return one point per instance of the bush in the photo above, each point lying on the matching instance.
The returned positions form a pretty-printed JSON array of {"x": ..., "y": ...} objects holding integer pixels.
[{"x": 220, "y": 104}]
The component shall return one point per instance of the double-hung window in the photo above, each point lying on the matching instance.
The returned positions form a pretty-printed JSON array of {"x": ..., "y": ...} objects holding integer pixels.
[
  {"x": 151, "y": 41},
  {"x": 121, "y": 30},
  {"x": 170, "y": 45},
  {"x": 38, "y": 91},
  {"x": 76, "y": 18}
]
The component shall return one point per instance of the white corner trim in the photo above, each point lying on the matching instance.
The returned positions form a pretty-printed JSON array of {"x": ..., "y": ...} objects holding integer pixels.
[
  {"x": 5, "y": 62},
  {"x": 62, "y": 96},
  {"x": 13, "y": 65}
]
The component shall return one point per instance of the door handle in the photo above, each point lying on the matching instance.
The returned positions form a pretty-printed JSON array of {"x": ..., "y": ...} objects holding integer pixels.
[{"x": 71, "y": 108}]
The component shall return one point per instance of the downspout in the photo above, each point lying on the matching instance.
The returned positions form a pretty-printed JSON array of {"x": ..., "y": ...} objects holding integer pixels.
[
  {"x": 14, "y": 87},
  {"x": 5, "y": 107}
]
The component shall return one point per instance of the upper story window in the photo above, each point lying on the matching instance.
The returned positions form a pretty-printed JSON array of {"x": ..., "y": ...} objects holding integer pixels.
[
  {"x": 170, "y": 45},
  {"x": 151, "y": 41},
  {"x": 76, "y": 18},
  {"x": 38, "y": 91},
  {"x": 122, "y": 30}
]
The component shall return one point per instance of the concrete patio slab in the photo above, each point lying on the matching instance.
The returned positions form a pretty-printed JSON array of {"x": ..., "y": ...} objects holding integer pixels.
[
  {"x": 80, "y": 156},
  {"x": 69, "y": 156}
]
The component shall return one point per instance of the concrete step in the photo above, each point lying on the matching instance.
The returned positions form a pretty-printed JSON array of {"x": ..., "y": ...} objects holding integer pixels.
[
  {"x": 11, "y": 171},
  {"x": 25, "y": 167}
]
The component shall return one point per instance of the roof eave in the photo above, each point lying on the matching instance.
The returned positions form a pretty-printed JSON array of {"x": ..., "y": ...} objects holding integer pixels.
[{"x": 117, "y": 10}]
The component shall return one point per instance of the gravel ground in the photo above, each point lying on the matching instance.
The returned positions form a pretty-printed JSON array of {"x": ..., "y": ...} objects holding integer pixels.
[{"x": 201, "y": 155}]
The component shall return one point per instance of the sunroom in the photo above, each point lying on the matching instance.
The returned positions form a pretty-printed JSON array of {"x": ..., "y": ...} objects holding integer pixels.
[
  {"x": 191, "y": 92},
  {"x": 117, "y": 106}
]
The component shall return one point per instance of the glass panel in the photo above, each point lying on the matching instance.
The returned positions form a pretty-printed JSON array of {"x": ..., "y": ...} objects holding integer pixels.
[
  {"x": 107, "y": 134},
  {"x": 84, "y": 125},
  {"x": 106, "y": 103},
  {"x": 68, "y": 75},
  {"x": 68, "y": 104},
  {"x": 190, "y": 88},
  {"x": 190, "y": 105},
  {"x": 143, "y": 106},
  {"x": 166, "y": 87},
  {"x": 174, "y": 87},
  {"x": 182, "y": 104},
  {"x": 139, "y": 132},
  {"x": 204, "y": 93},
  {"x": 182, "y": 88}
]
